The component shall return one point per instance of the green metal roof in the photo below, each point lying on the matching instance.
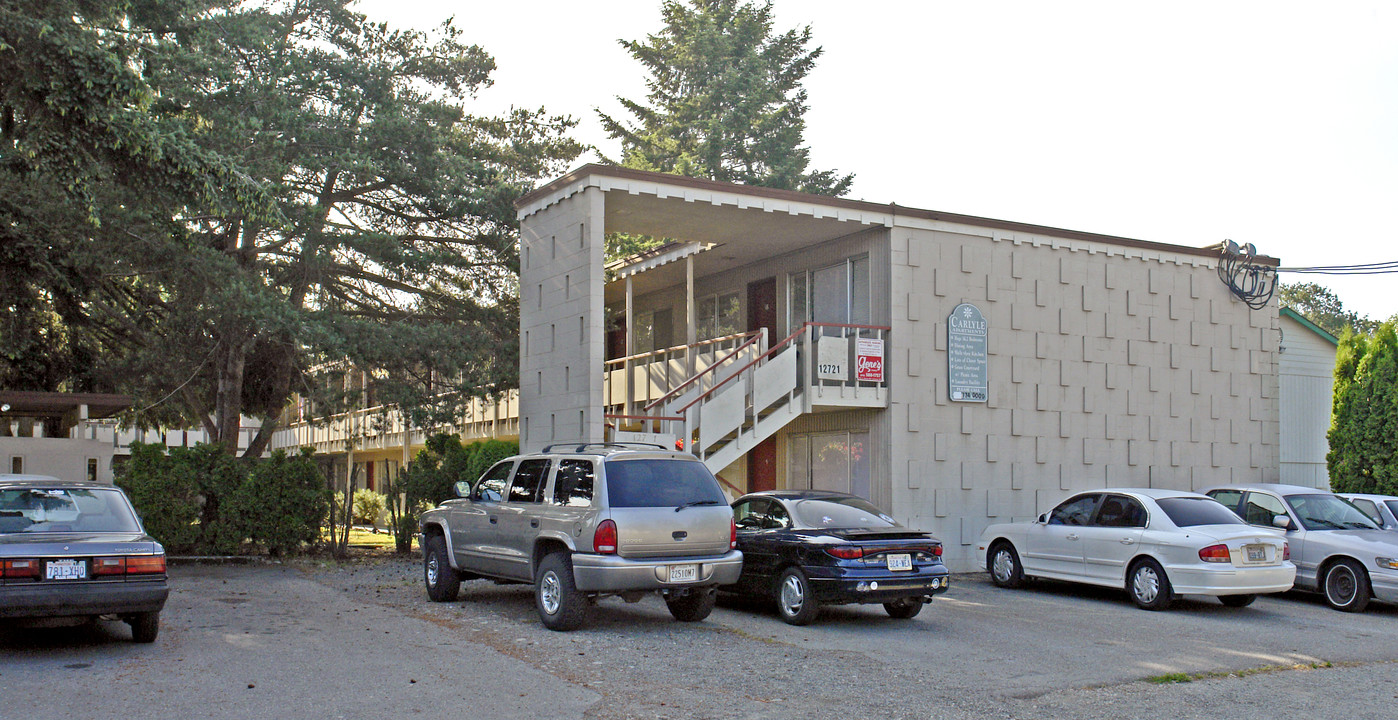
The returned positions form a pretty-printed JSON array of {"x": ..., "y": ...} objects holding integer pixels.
[{"x": 1298, "y": 317}]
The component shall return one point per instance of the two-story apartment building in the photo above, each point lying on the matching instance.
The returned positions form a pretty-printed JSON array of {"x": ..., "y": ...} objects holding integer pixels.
[{"x": 956, "y": 370}]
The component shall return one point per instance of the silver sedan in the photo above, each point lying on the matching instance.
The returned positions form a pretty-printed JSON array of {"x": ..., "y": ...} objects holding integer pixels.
[
  {"x": 1337, "y": 549},
  {"x": 1155, "y": 543},
  {"x": 1382, "y": 509}
]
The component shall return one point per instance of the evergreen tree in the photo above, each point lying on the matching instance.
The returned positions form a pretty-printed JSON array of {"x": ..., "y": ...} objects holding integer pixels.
[
  {"x": 349, "y": 207},
  {"x": 1363, "y": 434},
  {"x": 725, "y": 100}
]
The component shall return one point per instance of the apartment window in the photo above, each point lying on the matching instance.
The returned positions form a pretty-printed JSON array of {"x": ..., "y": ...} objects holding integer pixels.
[
  {"x": 837, "y": 461},
  {"x": 836, "y": 294},
  {"x": 92, "y": 469},
  {"x": 17, "y": 465},
  {"x": 653, "y": 331},
  {"x": 718, "y": 315}
]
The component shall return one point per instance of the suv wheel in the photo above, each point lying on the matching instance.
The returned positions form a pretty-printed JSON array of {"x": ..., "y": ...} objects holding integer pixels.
[
  {"x": 560, "y": 605},
  {"x": 693, "y": 606},
  {"x": 441, "y": 579},
  {"x": 795, "y": 601}
]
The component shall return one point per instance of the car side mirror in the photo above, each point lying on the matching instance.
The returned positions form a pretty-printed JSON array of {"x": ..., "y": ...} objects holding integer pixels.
[
  {"x": 463, "y": 489},
  {"x": 1281, "y": 521},
  {"x": 1043, "y": 519}
]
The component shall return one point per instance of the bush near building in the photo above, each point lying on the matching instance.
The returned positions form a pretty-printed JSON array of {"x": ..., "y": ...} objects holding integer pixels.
[
  {"x": 1363, "y": 434},
  {"x": 433, "y": 474},
  {"x": 201, "y": 500}
]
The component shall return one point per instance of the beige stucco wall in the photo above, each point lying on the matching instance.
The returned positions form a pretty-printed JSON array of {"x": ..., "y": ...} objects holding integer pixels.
[
  {"x": 62, "y": 458},
  {"x": 1306, "y": 368},
  {"x": 562, "y": 333},
  {"x": 1108, "y": 367}
]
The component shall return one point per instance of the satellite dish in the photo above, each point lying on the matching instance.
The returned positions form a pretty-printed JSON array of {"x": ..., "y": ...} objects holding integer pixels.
[
  {"x": 1250, "y": 250},
  {"x": 1231, "y": 247}
]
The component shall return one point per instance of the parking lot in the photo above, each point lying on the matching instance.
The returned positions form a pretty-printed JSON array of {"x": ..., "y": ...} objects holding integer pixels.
[{"x": 361, "y": 640}]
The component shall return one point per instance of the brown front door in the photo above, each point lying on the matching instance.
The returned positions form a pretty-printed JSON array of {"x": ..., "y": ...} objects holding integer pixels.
[
  {"x": 762, "y": 313},
  {"x": 762, "y": 307}
]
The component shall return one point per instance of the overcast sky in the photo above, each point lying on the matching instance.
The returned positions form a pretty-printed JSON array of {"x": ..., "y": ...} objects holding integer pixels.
[{"x": 1274, "y": 123}]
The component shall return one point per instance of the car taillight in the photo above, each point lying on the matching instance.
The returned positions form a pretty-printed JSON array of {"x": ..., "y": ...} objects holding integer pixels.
[
  {"x": 109, "y": 566},
  {"x": 145, "y": 564},
  {"x": 846, "y": 552},
  {"x": 936, "y": 551},
  {"x": 604, "y": 539},
  {"x": 1215, "y": 553},
  {"x": 19, "y": 569},
  {"x": 129, "y": 565},
  {"x": 732, "y": 534},
  {"x": 1286, "y": 551}
]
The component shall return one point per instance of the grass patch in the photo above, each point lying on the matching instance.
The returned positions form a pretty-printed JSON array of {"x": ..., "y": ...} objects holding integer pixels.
[{"x": 1173, "y": 678}]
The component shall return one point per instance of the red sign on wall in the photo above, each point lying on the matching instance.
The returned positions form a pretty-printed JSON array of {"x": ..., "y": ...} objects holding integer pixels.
[{"x": 868, "y": 360}]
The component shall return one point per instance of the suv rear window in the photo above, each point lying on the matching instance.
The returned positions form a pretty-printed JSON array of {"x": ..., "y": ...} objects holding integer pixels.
[
  {"x": 660, "y": 483},
  {"x": 1188, "y": 512}
]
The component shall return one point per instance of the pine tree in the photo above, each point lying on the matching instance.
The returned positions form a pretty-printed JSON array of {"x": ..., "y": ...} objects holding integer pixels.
[
  {"x": 725, "y": 100},
  {"x": 1363, "y": 456}
]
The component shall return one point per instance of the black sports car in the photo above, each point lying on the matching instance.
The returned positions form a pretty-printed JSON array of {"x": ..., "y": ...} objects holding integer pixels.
[
  {"x": 77, "y": 550},
  {"x": 807, "y": 548}
]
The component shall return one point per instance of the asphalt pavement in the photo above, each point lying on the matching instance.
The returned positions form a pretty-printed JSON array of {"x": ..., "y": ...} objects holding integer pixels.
[{"x": 361, "y": 641}]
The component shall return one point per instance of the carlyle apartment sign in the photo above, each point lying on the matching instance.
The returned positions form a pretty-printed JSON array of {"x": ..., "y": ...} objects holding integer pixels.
[{"x": 966, "y": 355}]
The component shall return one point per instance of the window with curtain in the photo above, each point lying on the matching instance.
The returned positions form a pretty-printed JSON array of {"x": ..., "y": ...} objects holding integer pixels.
[{"x": 837, "y": 294}]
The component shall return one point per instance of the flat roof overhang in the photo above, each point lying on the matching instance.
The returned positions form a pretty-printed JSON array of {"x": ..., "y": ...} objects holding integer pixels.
[
  {"x": 737, "y": 225},
  {"x": 35, "y": 404}
]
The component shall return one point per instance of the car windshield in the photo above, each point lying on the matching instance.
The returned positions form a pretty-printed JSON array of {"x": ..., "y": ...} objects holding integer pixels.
[
  {"x": 661, "y": 483},
  {"x": 839, "y": 513},
  {"x": 1188, "y": 512},
  {"x": 39, "y": 510},
  {"x": 1328, "y": 512}
]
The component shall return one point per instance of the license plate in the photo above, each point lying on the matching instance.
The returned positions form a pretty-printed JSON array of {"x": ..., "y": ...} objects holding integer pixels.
[
  {"x": 684, "y": 573},
  {"x": 901, "y": 561},
  {"x": 65, "y": 570},
  {"x": 1257, "y": 553}
]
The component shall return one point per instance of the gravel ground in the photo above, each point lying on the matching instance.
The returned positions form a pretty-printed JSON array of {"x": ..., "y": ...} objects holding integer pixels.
[
  {"x": 949, "y": 662},
  {"x": 361, "y": 640}
]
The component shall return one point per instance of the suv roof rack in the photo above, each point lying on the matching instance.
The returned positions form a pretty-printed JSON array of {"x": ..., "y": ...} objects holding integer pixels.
[{"x": 583, "y": 447}]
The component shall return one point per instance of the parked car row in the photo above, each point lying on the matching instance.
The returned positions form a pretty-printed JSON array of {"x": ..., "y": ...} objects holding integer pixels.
[
  {"x": 582, "y": 522},
  {"x": 1234, "y": 542}
]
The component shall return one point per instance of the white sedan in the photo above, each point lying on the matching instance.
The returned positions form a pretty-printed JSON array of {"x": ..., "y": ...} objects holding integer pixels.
[{"x": 1156, "y": 543}]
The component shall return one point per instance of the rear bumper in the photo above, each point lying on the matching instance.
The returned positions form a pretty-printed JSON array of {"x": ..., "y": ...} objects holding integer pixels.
[
  {"x": 52, "y": 599},
  {"x": 1229, "y": 580},
  {"x": 611, "y": 573},
  {"x": 879, "y": 588}
]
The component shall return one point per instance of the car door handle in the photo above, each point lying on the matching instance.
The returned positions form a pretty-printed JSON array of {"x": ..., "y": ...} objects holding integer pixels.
[
  {"x": 494, "y": 520},
  {"x": 1071, "y": 536},
  {"x": 1128, "y": 541},
  {"x": 533, "y": 523}
]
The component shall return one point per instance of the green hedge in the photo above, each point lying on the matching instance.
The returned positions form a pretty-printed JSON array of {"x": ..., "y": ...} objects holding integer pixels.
[{"x": 201, "y": 500}]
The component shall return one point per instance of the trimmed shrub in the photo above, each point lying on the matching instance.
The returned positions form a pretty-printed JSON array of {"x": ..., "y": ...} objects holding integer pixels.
[
  {"x": 282, "y": 505},
  {"x": 368, "y": 506},
  {"x": 201, "y": 500}
]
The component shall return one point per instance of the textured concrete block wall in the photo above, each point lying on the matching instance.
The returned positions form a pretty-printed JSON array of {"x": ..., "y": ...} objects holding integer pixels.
[
  {"x": 1109, "y": 366},
  {"x": 562, "y": 331}
]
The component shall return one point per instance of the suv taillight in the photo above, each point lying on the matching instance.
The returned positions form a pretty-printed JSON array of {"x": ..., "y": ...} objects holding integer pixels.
[
  {"x": 732, "y": 534},
  {"x": 604, "y": 540},
  {"x": 1215, "y": 553}
]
